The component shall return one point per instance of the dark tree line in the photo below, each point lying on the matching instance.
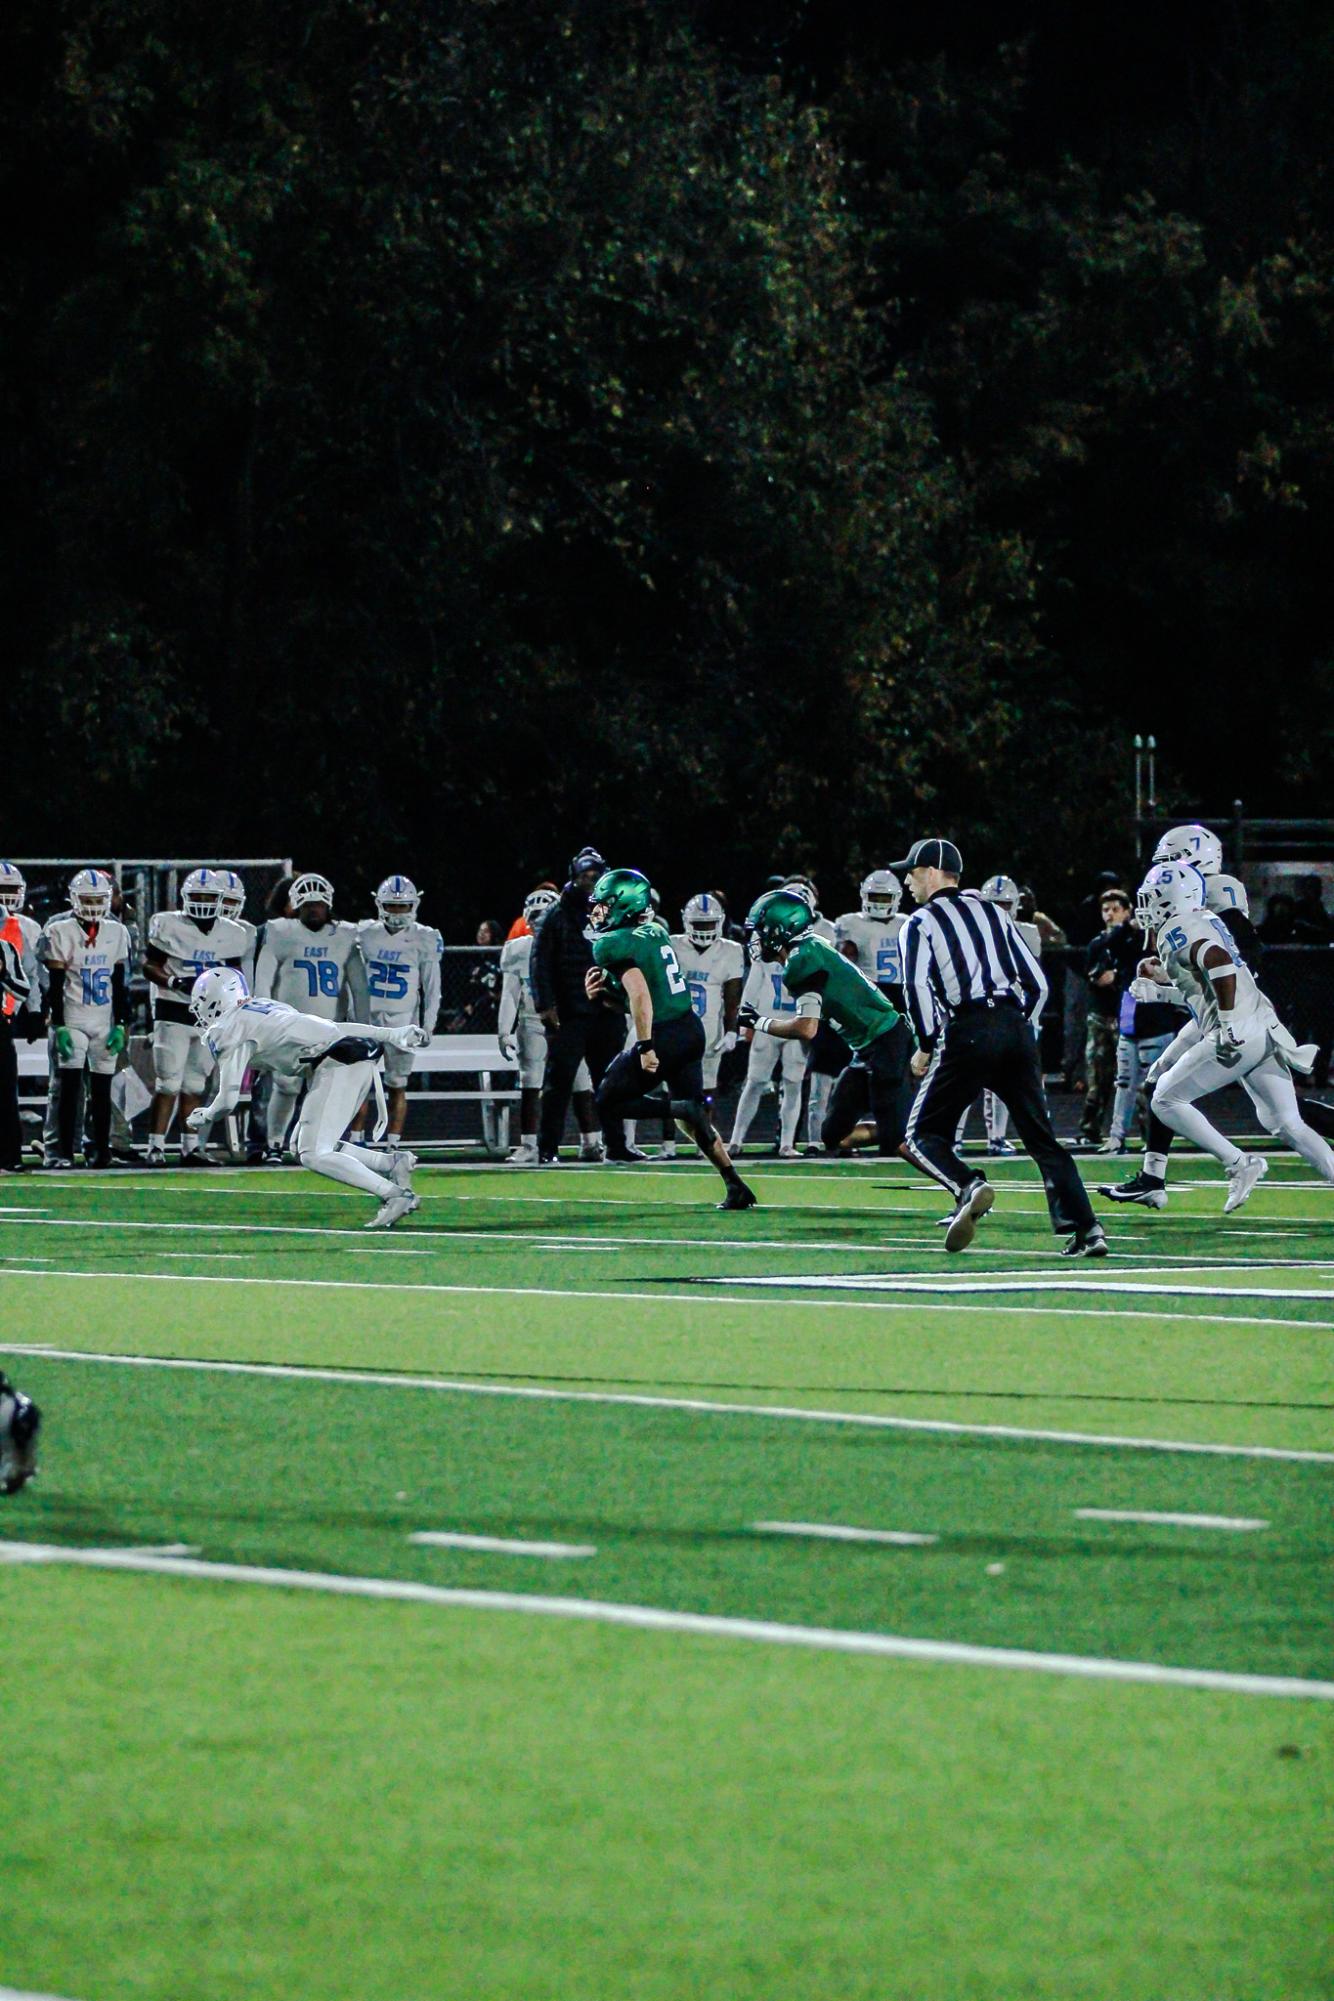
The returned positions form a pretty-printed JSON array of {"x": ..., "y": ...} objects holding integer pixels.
[{"x": 438, "y": 435}]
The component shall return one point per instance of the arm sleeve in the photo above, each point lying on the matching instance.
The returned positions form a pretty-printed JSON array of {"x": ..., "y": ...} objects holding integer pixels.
[
  {"x": 431, "y": 984},
  {"x": 508, "y": 1011},
  {"x": 55, "y": 997},
  {"x": 120, "y": 992},
  {"x": 229, "y": 1079},
  {"x": 266, "y": 970},
  {"x": 917, "y": 992},
  {"x": 542, "y": 965},
  {"x": 356, "y": 987}
]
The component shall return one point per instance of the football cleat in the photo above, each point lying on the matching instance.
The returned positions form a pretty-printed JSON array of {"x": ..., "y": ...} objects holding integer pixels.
[
  {"x": 20, "y": 1422},
  {"x": 1001, "y": 1149},
  {"x": 622, "y": 1154},
  {"x": 1241, "y": 1180},
  {"x": 1145, "y": 1189},
  {"x": 738, "y": 1196},
  {"x": 1090, "y": 1243},
  {"x": 393, "y": 1209},
  {"x": 401, "y": 1171},
  {"x": 977, "y": 1198},
  {"x": 590, "y": 1147},
  {"x": 196, "y": 1157}
]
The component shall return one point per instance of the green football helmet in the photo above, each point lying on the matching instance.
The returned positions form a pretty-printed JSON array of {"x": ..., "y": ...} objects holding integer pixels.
[
  {"x": 621, "y": 896},
  {"x": 779, "y": 919}
]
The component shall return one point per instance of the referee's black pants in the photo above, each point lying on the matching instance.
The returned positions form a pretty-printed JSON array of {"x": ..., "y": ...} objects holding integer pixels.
[
  {"x": 991, "y": 1047},
  {"x": 593, "y": 1038}
]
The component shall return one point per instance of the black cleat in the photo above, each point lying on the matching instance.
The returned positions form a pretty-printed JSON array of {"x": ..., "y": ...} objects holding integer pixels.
[
  {"x": 973, "y": 1204},
  {"x": 1087, "y": 1244},
  {"x": 1147, "y": 1189},
  {"x": 738, "y": 1196},
  {"x": 624, "y": 1153}
]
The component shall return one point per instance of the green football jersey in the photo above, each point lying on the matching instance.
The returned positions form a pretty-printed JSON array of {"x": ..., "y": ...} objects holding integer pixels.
[
  {"x": 858, "y": 1010},
  {"x": 648, "y": 947}
]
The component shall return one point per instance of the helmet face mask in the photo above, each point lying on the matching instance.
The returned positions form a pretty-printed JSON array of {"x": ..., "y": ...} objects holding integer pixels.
[
  {"x": 702, "y": 921},
  {"x": 1001, "y": 889},
  {"x": 13, "y": 889},
  {"x": 218, "y": 992},
  {"x": 308, "y": 889},
  {"x": 90, "y": 895},
  {"x": 1194, "y": 844},
  {"x": 802, "y": 886},
  {"x": 1169, "y": 891},
  {"x": 536, "y": 905},
  {"x": 881, "y": 893},
  {"x": 620, "y": 897},
  {"x": 397, "y": 900},
  {"x": 780, "y": 918},
  {"x": 200, "y": 895}
]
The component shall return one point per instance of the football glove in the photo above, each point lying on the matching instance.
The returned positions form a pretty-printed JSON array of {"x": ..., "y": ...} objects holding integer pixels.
[
  {"x": 747, "y": 1016},
  {"x": 201, "y": 1116},
  {"x": 117, "y": 1039},
  {"x": 1228, "y": 1046},
  {"x": 410, "y": 1036},
  {"x": 64, "y": 1044},
  {"x": 509, "y": 1050},
  {"x": 728, "y": 1042}
]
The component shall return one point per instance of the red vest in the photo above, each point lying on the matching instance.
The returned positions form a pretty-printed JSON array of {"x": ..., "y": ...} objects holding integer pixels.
[{"x": 12, "y": 934}]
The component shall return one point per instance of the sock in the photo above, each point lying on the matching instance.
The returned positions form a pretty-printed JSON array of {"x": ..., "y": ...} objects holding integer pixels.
[
  {"x": 189, "y": 1142},
  {"x": 1155, "y": 1166},
  {"x": 157, "y": 1143}
]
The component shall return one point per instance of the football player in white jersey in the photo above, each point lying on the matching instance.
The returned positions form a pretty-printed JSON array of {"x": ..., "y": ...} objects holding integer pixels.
[
  {"x": 1234, "y": 1036},
  {"x": 765, "y": 992},
  {"x": 827, "y": 1054},
  {"x": 869, "y": 937},
  {"x": 714, "y": 969},
  {"x": 181, "y": 945},
  {"x": 339, "y": 1063},
  {"x": 86, "y": 952},
  {"x": 523, "y": 1041},
  {"x": 231, "y": 903},
  {"x": 309, "y": 961},
  {"x": 13, "y": 896},
  {"x": 400, "y": 961}
]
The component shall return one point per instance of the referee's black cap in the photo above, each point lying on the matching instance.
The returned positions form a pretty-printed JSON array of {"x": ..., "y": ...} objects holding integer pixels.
[{"x": 931, "y": 854}]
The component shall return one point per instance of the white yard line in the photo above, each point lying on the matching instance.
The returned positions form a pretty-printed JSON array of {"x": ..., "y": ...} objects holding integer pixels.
[
  {"x": 501, "y": 1545},
  {"x": 885, "y": 1304},
  {"x": 835, "y": 1532},
  {"x": 1171, "y": 1287},
  {"x": 636, "y": 1400},
  {"x": 650, "y": 1618},
  {"x": 1239, "y": 1523},
  {"x": 24, "y": 1994}
]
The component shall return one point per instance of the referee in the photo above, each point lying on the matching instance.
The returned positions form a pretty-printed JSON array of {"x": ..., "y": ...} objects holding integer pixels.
[{"x": 974, "y": 993}]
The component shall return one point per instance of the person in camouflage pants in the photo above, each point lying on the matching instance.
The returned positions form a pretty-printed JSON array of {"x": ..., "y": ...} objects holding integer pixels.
[{"x": 1112, "y": 958}]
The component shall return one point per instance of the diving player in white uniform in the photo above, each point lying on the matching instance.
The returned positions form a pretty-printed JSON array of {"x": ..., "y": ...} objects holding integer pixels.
[
  {"x": 523, "y": 1042},
  {"x": 765, "y": 992},
  {"x": 231, "y": 903},
  {"x": 1234, "y": 1037},
  {"x": 181, "y": 945},
  {"x": 309, "y": 961},
  {"x": 401, "y": 970},
  {"x": 86, "y": 952},
  {"x": 714, "y": 969},
  {"x": 339, "y": 1063}
]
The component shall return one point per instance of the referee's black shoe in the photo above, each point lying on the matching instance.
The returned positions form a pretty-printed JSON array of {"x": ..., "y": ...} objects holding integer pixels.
[
  {"x": 1091, "y": 1243},
  {"x": 977, "y": 1197}
]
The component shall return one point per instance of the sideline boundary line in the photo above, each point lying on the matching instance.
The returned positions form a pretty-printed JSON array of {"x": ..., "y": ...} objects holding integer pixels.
[
  {"x": 697, "y": 1406},
  {"x": 650, "y": 1618}
]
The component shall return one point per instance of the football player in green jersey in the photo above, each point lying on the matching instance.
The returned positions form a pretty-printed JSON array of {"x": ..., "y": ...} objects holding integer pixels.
[
  {"x": 826, "y": 986},
  {"x": 635, "y": 968}
]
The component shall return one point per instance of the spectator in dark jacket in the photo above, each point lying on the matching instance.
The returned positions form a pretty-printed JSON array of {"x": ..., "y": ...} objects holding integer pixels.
[
  {"x": 1110, "y": 967},
  {"x": 1311, "y": 922},
  {"x": 578, "y": 1030}
]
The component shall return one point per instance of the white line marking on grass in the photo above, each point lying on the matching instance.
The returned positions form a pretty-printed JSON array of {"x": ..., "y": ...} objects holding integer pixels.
[
  {"x": 213, "y": 1255},
  {"x": 1032, "y": 1282},
  {"x": 835, "y": 1532},
  {"x": 23, "y": 1994},
  {"x": 637, "y": 1400},
  {"x": 650, "y": 1618},
  {"x": 1240, "y": 1523},
  {"x": 501, "y": 1545}
]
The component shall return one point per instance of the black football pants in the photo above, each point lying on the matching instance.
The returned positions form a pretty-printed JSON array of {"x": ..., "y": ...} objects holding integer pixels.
[
  {"x": 594, "y": 1039},
  {"x": 992, "y": 1048},
  {"x": 873, "y": 1084},
  {"x": 11, "y": 1132}
]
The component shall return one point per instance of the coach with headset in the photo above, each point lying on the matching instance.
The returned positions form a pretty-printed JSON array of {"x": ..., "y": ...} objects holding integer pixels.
[{"x": 974, "y": 994}]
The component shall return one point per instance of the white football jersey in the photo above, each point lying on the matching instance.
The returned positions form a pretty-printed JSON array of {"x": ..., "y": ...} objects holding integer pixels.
[
  {"x": 402, "y": 970},
  {"x": 876, "y": 943},
  {"x": 706, "y": 973},
  {"x": 1175, "y": 942},
  {"x": 188, "y": 950},
  {"x": 516, "y": 962},
  {"x": 1224, "y": 892},
  {"x": 764, "y": 989},
  {"x": 274, "y": 1035},
  {"x": 89, "y": 962},
  {"x": 306, "y": 969}
]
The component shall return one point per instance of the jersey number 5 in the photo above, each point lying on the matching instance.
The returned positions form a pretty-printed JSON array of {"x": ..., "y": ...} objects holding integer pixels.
[{"x": 387, "y": 982}]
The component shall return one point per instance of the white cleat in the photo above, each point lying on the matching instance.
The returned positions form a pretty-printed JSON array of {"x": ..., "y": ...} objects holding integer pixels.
[
  {"x": 393, "y": 1209},
  {"x": 590, "y": 1148},
  {"x": 523, "y": 1155},
  {"x": 401, "y": 1171},
  {"x": 1242, "y": 1178}
]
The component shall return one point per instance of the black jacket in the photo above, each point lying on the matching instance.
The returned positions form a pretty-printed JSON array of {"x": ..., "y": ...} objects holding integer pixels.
[
  {"x": 562, "y": 954},
  {"x": 1117, "y": 950}
]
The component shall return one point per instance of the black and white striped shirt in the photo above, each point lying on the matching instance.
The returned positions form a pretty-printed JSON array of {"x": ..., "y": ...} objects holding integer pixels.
[{"x": 957, "y": 949}]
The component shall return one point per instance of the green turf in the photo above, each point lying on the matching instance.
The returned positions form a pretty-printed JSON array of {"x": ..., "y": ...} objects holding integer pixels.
[{"x": 245, "y": 1790}]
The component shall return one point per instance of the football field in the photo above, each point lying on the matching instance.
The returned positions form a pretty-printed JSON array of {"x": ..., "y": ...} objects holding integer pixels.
[{"x": 578, "y": 1592}]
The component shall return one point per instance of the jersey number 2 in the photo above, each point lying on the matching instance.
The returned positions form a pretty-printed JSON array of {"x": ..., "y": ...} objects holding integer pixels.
[{"x": 671, "y": 966}]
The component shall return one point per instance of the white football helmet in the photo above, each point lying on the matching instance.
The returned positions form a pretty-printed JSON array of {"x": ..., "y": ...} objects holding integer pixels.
[
  {"x": 199, "y": 894},
  {"x": 702, "y": 921},
  {"x": 310, "y": 889},
  {"x": 1171, "y": 890},
  {"x": 13, "y": 889},
  {"x": 536, "y": 905},
  {"x": 396, "y": 900},
  {"x": 802, "y": 886},
  {"x": 231, "y": 892},
  {"x": 1002, "y": 889},
  {"x": 1193, "y": 844},
  {"x": 1223, "y": 893},
  {"x": 218, "y": 992},
  {"x": 882, "y": 893},
  {"x": 90, "y": 893}
]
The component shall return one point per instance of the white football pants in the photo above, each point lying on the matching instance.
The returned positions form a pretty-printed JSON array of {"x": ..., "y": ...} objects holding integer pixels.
[
  {"x": 1266, "y": 1082},
  {"x": 336, "y": 1095},
  {"x": 765, "y": 1052}
]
